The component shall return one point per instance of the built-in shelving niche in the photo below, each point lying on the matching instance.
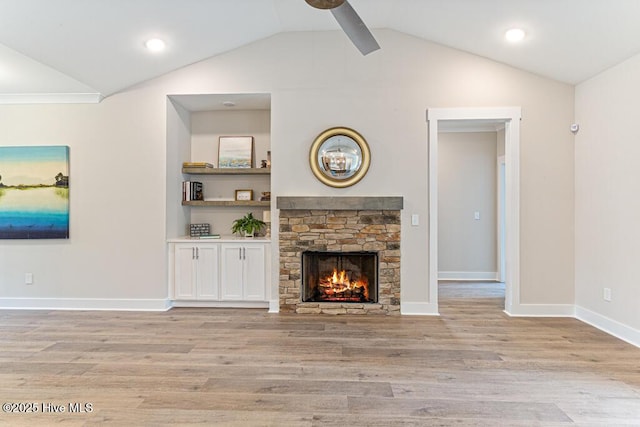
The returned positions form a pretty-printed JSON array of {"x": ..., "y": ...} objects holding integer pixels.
[{"x": 194, "y": 124}]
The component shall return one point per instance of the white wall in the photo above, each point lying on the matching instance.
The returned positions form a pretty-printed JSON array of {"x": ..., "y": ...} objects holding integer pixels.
[
  {"x": 208, "y": 126},
  {"x": 317, "y": 80},
  {"x": 178, "y": 150},
  {"x": 467, "y": 183},
  {"x": 607, "y": 152},
  {"x": 115, "y": 256}
]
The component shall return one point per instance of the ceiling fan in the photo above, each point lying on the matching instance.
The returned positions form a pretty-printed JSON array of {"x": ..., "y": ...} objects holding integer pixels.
[{"x": 350, "y": 22}]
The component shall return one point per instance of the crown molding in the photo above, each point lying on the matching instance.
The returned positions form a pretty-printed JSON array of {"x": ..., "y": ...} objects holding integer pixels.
[{"x": 50, "y": 98}]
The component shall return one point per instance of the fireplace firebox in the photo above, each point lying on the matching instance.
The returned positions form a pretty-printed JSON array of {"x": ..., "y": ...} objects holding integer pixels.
[{"x": 345, "y": 277}]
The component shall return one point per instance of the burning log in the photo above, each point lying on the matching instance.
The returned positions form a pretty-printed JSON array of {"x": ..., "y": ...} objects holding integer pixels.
[{"x": 340, "y": 287}]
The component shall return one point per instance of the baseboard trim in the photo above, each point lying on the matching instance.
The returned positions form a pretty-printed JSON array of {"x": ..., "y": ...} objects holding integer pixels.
[
  {"x": 274, "y": 306},
  {"x": 84, "y": 304},
  {"x": 468, "y": 275},
  {"x": 419, "y": 309},
  {"x": 221, "y": 304},
  {"x": 541, "y": 310},
  {"x": 610, "y": 326}
]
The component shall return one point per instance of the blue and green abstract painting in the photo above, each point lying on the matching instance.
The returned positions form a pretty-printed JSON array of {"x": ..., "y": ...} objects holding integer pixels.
[{"x": 34, "y": 192}]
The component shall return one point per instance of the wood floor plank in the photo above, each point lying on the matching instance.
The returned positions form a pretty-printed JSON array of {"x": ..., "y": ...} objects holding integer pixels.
[
  {"x": 612, "y": 410},
  {"x": 247, "y": 402},
  {"x": 419, "y": 353},
  {"x": 498, "y": 411},
  {"x": 26, "y": 368},
  {"x": 298, "y": 387},
  {"x": 118, "y": 348},
  {"x": 217, "y": 418}
]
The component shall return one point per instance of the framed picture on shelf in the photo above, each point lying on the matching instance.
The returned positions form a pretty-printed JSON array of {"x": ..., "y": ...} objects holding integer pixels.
[
  {"x": 244, "y": 195},
  {"x": 235, "y": 152}
]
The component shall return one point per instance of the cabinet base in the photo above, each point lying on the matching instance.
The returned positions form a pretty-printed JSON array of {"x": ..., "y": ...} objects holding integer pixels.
[{"x": 221, "y": 304}]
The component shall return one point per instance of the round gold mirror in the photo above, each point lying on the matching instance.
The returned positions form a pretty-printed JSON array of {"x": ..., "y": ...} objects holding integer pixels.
[{"x": 339, "y": 157}]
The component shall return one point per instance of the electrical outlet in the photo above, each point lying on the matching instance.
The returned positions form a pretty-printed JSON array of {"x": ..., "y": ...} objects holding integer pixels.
[
  {"x": 607, "y": 294},
  {"x": 476, "y": 215},
  {"x": 28, "y": 278}
]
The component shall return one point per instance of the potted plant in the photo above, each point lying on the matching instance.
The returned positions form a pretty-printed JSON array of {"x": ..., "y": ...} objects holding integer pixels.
[{"x": 248, "y": 225}]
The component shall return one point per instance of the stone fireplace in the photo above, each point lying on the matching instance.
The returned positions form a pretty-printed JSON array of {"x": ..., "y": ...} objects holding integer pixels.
[{"x": 356, "y": 236}]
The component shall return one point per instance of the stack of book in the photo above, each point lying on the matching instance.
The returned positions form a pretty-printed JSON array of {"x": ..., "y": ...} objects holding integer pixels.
[
  {"x": 196, "y": 165},
  {"x": 192, "y": 190},
  {"x": 209, "y": 236}
]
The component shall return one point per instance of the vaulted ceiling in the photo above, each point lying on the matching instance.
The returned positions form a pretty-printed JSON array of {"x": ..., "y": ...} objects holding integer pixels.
[{"x": 97, "y": 46}]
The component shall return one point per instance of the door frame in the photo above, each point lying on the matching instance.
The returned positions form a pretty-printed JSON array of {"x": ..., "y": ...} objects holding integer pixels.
[
  {"x": 501, "y": 209},
  {"x": 510, "y": 116}
]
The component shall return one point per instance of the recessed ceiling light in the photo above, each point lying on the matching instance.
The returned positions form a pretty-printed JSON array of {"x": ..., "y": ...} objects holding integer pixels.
[
  {"x": 155, "y": 45},
  {"x": 514, "y": 35}
]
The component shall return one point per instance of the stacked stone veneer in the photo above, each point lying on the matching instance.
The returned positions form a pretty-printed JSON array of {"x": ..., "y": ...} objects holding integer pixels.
[{"x": 340, "y": 231}]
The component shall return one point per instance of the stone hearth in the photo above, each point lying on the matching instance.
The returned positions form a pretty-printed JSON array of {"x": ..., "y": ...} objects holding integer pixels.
[{"x": 347, "y": 224}]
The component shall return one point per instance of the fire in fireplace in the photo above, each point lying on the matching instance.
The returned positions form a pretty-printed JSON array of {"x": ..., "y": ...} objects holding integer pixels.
[{"x": 348, "y": 277}]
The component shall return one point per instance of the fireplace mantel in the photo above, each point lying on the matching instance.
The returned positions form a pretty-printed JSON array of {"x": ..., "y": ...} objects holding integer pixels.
[{"x": 340, "y": 203}]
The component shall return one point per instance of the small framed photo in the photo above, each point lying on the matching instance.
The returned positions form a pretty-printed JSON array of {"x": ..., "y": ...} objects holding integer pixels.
[
  {"x": 235, "y": 152},
  {"x": 244, "y": 195}
]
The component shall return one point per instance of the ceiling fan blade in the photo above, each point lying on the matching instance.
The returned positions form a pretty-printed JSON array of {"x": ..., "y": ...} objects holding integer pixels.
[{"x": 354, "y": 28}]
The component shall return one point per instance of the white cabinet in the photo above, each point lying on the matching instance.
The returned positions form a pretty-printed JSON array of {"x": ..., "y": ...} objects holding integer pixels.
[
  {"x": 226, "y": 273},
  {"x": 196, "y": 268},
  {"x": 243, "y": 272}
]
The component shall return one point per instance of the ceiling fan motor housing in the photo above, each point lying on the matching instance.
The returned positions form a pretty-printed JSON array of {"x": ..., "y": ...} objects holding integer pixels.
[{"x": 325, "y": 4}]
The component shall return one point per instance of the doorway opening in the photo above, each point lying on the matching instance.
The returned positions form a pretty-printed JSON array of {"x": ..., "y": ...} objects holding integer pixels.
[
  {"x": 469, "y": 216},
  {"x": 449, "y": 118}
]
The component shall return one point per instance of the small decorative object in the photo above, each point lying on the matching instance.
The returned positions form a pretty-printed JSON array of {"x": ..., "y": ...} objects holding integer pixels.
[
  {"x": 266, "y": 217},
  {"x": 247, "y": 226},
  {"x": 235, "y": 152},
  {"x": 268, "y": 159},
  {"x": 339, "y": 157},
  {"x": 244, "y": 195},
  {"x": 197, "y": 230},
  {"x": 266, "y": 196},
  {"x": 263, "y": 164}
]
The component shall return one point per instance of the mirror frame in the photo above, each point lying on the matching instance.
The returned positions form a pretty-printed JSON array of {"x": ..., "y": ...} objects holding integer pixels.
[{"x": 322, "y": 174}]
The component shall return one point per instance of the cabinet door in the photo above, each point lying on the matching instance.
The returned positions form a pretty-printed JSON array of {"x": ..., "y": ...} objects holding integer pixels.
[
  {"x": 185, "y": 272},
  {"x": 231, "y": 272},
  {"x": 254, "y": 272},
  {"x": 207, "y": 272}
]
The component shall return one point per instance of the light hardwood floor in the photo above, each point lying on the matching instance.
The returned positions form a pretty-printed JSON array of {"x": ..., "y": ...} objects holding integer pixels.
[{"x": 472, "y": 366}]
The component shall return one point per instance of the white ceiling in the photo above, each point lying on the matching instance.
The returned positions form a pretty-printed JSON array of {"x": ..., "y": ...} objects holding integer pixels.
[{"x": 97, "y": 46}]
